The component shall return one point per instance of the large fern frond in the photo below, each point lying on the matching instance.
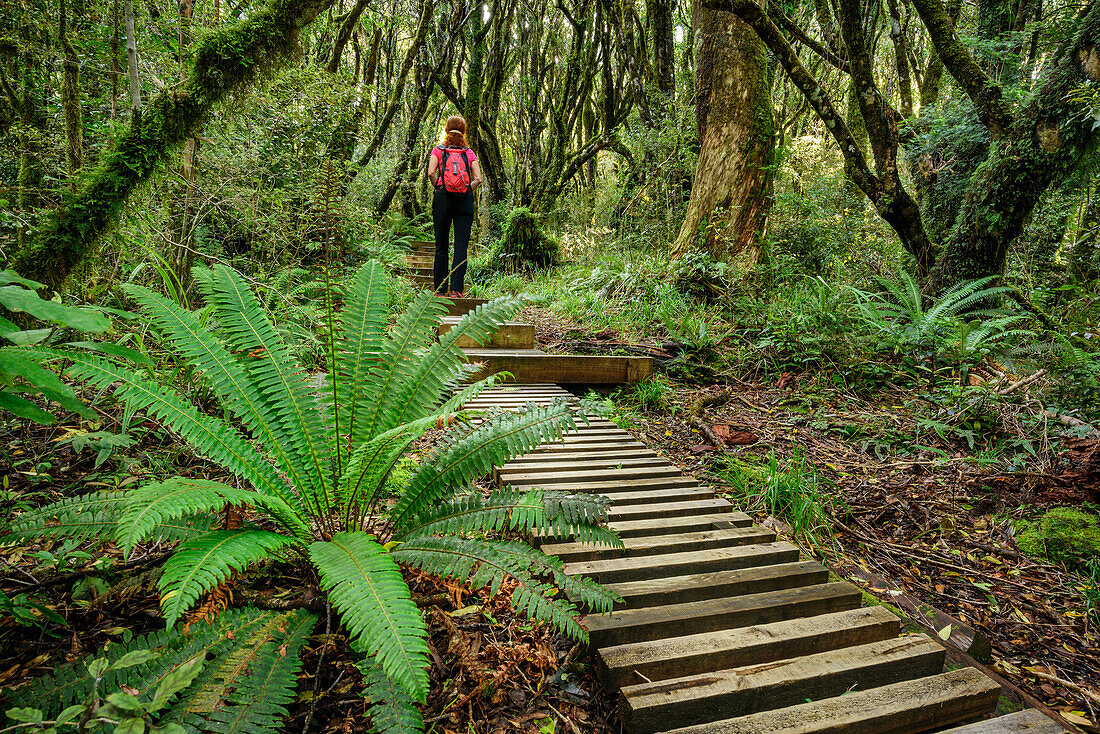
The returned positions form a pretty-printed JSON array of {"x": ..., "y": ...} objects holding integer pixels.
[
  {"x": 392, "y": 711},
  {"x": 396, "y": 362},
  {"x": 425, "y": 383},
  {"x": 201, "y": 564},
  {"x": 362, "y": 325},
  {"x": 283, "y": 386},
  {"x": 204, "y": 351},
  {"x": 367, "y": 588},
  {"x": 482, "y": 563},
  {"x": 249, "y": 690},
  {"x": 181, "y": 496},
  {"x": 71, "y": 683},
  {"x": 94, "y": 515},
  {"x": 535, "y": 510},
  {"x": 496, "y": 440},
  {"x": 210, "y": 437}
]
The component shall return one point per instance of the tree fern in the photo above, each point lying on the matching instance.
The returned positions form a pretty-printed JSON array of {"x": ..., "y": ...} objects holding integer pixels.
[
  {"x": 392, "y": 711},
  {"x": 375, "y": 604},
  {"x": 204, "y": 562}
]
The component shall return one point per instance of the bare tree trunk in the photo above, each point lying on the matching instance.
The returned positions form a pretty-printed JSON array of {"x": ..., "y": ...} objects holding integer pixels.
[
  {"x": 728, "y": 211},
  {"x": 132, "y": 56}
]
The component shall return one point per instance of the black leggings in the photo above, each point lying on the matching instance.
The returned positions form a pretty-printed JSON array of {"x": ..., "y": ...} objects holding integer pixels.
[{"x": 447, "y": 208}]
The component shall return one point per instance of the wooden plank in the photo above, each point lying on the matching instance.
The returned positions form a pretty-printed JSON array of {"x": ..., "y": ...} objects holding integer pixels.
[
  {"x": 1029, "y": 720},
  {"x": 460, "y": 306},
  {"x": 544, "y": 477},
  {"x": 677, "y": 620},
  {"x": 908, "y": 707},
  {"x": 572, "y": 465},
  {"x": 649, "y": 708},
  {"x": 669, "y": 509},
  {"x": 665, "y": 525},
  {"x": 654, "y": 545},
  {"x": 650, "y": 496},
  {"x": 511, "y": 335},
  {"x": 718, "y": 584},
  {"x": 610, "y": 444},
  {"x": 596, "y": 454},
  {"x": 677, "y": 657},
  {"x": 617, "y": 570},
  {"x": 578, "y": 370}
]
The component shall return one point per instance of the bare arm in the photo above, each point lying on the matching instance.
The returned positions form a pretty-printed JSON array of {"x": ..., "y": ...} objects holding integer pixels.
[
  {"x": 433, "y": 168},
  {"x": 476, "y": 181}
]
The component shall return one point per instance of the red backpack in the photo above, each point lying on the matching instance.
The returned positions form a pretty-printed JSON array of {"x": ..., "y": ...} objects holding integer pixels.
[{"x": 454, "y": 178}]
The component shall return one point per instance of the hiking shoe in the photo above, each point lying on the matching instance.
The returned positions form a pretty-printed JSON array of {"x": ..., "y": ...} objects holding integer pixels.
[{"x": 457, "y": 294}]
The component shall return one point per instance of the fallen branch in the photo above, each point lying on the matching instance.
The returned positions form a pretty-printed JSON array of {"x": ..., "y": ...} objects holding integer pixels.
[
  {"x": 1020, "y": 383},
  {"x": 1079, "y": 689},
  {"x": 707, "y": 432},
  {"x": 708, "y": 399}
]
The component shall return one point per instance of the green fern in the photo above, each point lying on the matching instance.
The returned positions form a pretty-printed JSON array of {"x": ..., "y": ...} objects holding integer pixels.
[
  {"x": 318, "y": 462},
  {"x": 201, "y": 564},
  {"x": 392, "y": 711}
]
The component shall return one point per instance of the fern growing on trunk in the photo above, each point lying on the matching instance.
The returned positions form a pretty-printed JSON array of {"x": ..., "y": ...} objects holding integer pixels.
[{"x": 313, "y": 459}]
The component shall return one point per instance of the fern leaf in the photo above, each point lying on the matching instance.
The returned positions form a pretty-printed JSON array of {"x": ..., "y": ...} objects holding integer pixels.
[
  {"x": 71, "y": 683},
  {"x": 283, "y": 387},
  {"x": 396, "y": 362},
  {"x": 251, "y": 688},
  {"x": 392, "y": 711},
  {"x": 498, "y": 439},
  {"x": 536, "y": 510},
  {"x": 204, "y": 351},
  {"x": 375, "y": 604},
  {"x": 180, "y": 496},
  {"x": 362, "y": 325},
  {"x": 423, "y": 389},
  {"x": 481, "y": 564},
  {"x": 201, "y": 564},
  {"x": 210, "y": 437}
]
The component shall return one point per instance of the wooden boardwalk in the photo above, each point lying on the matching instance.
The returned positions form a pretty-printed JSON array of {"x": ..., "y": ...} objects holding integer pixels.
[{"x": 725, "y": 629}]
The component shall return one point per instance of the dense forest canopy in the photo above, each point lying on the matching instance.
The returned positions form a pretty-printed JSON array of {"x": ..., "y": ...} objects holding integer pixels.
[{"x": 872, "y": 227}]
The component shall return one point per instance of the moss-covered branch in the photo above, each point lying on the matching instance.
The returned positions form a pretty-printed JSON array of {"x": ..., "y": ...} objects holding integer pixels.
[
  {"x": 985, "y": 93},
  {"x": 225, "y": 60}
]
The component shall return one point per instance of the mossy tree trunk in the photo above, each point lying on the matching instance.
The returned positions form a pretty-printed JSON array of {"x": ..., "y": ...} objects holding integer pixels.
[
  {"x": 226, "y": 59},
  {"x": 728, "y": 211},
  {"x": 70, "y": 95}
]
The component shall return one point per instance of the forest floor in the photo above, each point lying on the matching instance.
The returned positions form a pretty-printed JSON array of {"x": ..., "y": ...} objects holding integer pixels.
[{"x": 935, "y": 524}]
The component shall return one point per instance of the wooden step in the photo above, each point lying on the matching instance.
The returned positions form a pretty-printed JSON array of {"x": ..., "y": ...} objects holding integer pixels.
[
  {"x": 565, "y": 369},
  {"x": 681, "y": 523},
  {"x": 544, "y": 476},
  {"x": 677, "y": 620},
  {"x": 461, "y": 306},
  {"x": 718, "y": 584},
  {"x": 651, "y": 496},
  {"x": 668, "y": 509},
  {"x": 423, "y": 272},
  {"x": 596, "y": 454},
  {"x": 1030, "y": 721},
  {"x": 649, "y": 708},
  {"x": 511, "y": 335},
  {"x": 661, "y": 544},
  {"x": 593, "y": 467},
  {"x": 612, "y": 444},
  {"x": 617, "y": 570},
  {"x": 908, "y": 707},
  {"x": 676, "y": 657}
]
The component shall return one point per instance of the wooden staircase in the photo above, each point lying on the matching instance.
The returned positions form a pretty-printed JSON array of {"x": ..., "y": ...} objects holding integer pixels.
[
  {"x": 723, "y": 628},
  {"x": 513, "y": 348}
]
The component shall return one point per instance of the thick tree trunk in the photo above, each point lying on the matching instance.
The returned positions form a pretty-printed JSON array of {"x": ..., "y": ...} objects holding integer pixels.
[
  {"x": 661, "y": 26},
  {"x": 225, "y": 60},
  {"x": 728, "y": 211},
  {"x": 70, "y": 97}
]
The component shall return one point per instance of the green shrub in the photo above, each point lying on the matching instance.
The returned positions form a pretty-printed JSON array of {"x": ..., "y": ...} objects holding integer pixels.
[{"x": 1062, "y": 535}]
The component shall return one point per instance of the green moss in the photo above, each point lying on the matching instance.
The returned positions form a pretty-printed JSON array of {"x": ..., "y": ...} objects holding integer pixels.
[
  {"x": 524, "y": 245},
  {"x": 1062, "y": 535}
]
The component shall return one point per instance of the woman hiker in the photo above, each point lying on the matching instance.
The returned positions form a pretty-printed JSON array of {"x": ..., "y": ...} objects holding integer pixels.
[{"x": 454, "y": 170}]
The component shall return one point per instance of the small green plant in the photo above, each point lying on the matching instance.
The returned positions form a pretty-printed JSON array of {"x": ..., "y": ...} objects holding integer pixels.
[
  {"x": 319, "y": 466},
  {"x": 1061, "y": 535},
  {"x": 524, "y": 245},
  {"x": 650, "y": 396},
  {"x": 27, "y": 611}
]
